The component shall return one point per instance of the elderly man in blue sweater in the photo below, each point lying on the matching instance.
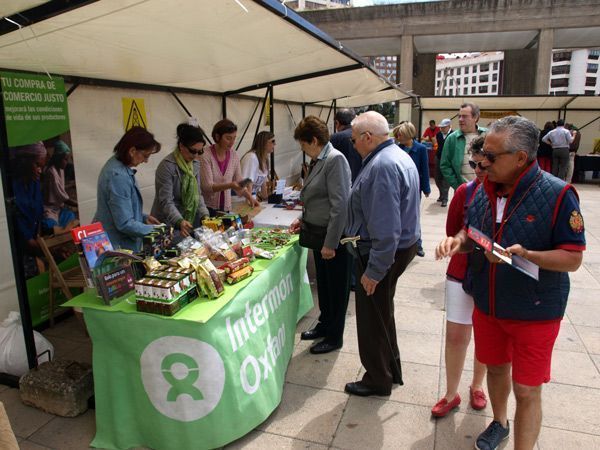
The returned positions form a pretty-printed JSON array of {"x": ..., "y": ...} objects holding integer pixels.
[{"x": 384, "y": 212}]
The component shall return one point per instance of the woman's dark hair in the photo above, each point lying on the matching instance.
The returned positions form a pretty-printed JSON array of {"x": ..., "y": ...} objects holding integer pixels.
[
  {"x": 223, "y": 126},
  {"x": 137, "y": 137},
  {"x": 476, "y": 147},
  {"x": 189, "y": 135},
  {"x": 259, "y": 147},
  {"x": 312, "y": 127}
]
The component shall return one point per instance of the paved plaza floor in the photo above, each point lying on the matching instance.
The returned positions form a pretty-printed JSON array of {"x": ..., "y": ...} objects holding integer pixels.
[{"x": 315, "y": 412}]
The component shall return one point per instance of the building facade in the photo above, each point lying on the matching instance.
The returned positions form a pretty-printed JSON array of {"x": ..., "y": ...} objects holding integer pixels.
[
  {"x": 575, "y": 72},
  {"x": 303, "y": 5},
  {"x": 473, "y": 74}
]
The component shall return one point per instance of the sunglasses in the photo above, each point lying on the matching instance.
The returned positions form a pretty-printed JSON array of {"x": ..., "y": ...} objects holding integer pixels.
[
  {"x": 272, "y": 140},
  {"x": 473, "y": 165},
  {"x": 491, "y": 157},
  {"x": 193, "y": 151}
]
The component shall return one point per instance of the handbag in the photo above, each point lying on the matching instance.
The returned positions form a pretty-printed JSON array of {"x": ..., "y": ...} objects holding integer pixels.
[{"x": 312, "y": 236}]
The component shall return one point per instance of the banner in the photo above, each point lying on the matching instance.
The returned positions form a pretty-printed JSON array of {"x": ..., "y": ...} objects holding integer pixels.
[
  {"x": 42, "y": 177},
  {"x": 174, "y": 384}
]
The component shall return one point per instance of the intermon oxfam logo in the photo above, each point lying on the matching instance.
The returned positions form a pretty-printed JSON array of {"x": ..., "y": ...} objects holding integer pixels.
[{"x": 183, "y": 377}]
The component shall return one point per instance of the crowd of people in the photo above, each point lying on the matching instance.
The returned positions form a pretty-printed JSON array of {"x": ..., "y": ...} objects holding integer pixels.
[{"x": 361, "y": 217}]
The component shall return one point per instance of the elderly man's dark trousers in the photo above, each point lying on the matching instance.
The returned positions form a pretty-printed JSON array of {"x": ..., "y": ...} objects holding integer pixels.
[{"x": 375, "y": 353}]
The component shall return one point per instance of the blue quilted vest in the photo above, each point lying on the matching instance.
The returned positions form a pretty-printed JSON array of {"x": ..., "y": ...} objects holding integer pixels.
[{"x": 498, "y": 289}]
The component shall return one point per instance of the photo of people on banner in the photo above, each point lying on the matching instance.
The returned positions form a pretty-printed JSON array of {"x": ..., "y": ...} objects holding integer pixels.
[{"x": 43, "y": 183}]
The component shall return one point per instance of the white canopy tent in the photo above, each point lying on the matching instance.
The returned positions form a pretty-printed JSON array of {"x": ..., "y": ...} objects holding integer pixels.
[{"x": 216, "y": 57}]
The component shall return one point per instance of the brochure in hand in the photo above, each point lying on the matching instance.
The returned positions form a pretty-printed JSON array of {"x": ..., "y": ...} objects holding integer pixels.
[{"x": 521, "y": 264}]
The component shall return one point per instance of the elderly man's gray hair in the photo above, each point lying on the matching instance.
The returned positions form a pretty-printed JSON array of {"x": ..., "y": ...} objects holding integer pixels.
[
  {"x": 520, "y": 134},
  {"x": 372, "y": 122}
]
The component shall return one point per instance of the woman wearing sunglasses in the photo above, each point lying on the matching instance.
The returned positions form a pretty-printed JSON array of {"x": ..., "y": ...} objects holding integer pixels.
[
  {"x": 255, "y": 163},
  {"x": 178, "y": 201},
  {"x": 459, "y": 304}
]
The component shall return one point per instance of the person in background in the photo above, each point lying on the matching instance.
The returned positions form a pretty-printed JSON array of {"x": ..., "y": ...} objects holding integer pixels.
[
  {"x": 28, "y": 163},
  {"x": 459, "y": 304},
  {"x": 429, "y": 135},
  {"x": 325, "y": 197},
  {"x": 384, "y": 211},
  {"x": 58, "y": 217},
  {"x": 560, "y": 139},
  {"x": 455, "y": 159},
  {"x": 440, "y": 181},
  {"x": 178, "y": 201},
  {"x": 255, "y": 163},
  {"x": 544, "y": 152},
  {"x": 120, "y": 204},
  {"x": 342, "y": 139},
  {"x": 516, "y": 318},
  {"x": 573, "y": 147},
  {"x": 220, "y": 170},
  {"x": 405, "y": 134}
]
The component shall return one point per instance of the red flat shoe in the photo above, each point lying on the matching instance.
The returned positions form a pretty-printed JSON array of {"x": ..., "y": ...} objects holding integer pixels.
[
  {"x": 443, "y": 407},
  {"x": 478, "y": 399}
]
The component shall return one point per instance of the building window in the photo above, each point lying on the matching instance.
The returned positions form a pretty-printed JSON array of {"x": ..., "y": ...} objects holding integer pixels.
[
  {"x": 483, "y": 89},
  {"x": 594, "y": 54},
  {"x": 560, "y": 92},
  {"x": 494, "y": 77},
  {"x": 484, "y": 78},
  {"x": 473, "y": 79},
  {"x": 561, "y": 56},
  {"x": 465, "y": 80},
  {"x": 559, "y": 82},
  {"x": 473, "y": 90},
  {"x": 451, "y": 82},
  {"x": 484, "y": 67},
  {"x": 496, "y": 66},
  {"x": 590, "y": 81},
  {"x": 561, "y": 70},
  {"x": 590, "y": 92},
  {"x": 494, "y": 89},
  {"x": 458, "y": 71},
  {"x": 592, "y": 68}
]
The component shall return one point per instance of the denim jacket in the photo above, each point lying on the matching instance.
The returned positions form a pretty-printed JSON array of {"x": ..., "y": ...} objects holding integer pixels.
[{"x": 119, "y": 206}]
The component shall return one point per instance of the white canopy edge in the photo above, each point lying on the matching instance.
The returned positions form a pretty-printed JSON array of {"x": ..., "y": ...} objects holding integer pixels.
[
  {"x": 383, "y": 96},
  {"x": 10, "y": 7},
  {"x": 206, "y": 45},
  {"x": 500, "y": 103}
]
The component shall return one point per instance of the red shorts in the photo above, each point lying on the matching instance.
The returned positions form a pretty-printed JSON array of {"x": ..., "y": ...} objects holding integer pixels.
[{"x": 528, "y": 345}]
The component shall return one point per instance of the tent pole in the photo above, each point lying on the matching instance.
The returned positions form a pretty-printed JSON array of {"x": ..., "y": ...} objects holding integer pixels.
[
  {"x": 189, "y": 114},
  {"x": 224, "y": 106},
  {"x": 247, "y": 126},
  {"x": 303, "y": 116},
  {"x": 331, "y": 108},
  {"x": 272, "y": 130},
  {"x": 590, "y": 122},
  {"x": 17, "y": 256}
]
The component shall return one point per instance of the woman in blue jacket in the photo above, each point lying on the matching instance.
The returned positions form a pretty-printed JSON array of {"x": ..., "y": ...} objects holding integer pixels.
[
  {"x": 120, "y": 204},
  {"x": 405, "y": 134}
]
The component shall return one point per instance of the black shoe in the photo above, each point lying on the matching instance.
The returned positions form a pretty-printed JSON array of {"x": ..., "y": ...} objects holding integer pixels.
[
  {"x": 421, "y": 252},
  {"x": 310, "y": 335},
  {"x": 364, "y": 391},
  {"x": 324, "y": 347},
  {"x": 492, "y": 436},
  {"x": 439, "y": 199},
  {"x": 444, "y": 204}
]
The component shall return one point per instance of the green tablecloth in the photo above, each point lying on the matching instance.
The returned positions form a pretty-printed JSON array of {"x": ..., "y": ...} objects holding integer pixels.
[{"x": 175, "y": 383}]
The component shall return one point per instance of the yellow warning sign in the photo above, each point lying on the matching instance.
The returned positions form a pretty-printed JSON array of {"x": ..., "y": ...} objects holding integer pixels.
[{"x": 134, "y": 113}]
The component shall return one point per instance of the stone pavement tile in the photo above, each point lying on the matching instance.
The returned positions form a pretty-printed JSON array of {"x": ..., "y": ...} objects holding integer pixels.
[
  {"x": 329, "y": 371},
  {"x": 419, "y": 320},
  {"x": 25, "y": 420},
  {"x": 422, "y": 265},
  {"x": 583, "y": 278},
  {"x": 67, "y": 433},
  {"x": 420, "y": 348},
  {"x": 421, "y": 280},
  {"x": 552, "y": 438},
  {"x": 69, "y": 328},
  {"x": 584, "y": 315},
  {"x": 596, "y": 359},
  {"x": 373, "y": 423},
  {"x": 428, "y": 298},
  {"x": 28, "y": 445},
  {"x": 582, "y": 296},
  {"x": 590, "y": 337},
  {"x": 568, "y": 339},
  {"x": 571, "y": 408},
  {"x": 420, "y": 385},
  {"x": 459, "y": 431},
  {"x": 593, "y": 268},
  {"x": 574, "y": 368},
  {"x": 257, "y": 440},
  {"x": 307, "y": 413}
]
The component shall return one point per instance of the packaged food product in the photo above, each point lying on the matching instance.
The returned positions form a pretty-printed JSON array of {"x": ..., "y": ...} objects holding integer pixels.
[
  {"x": 239, "y": 275},
  {"x": 260, "y": 253},
  {"x": 209, "y": 280},
  {"x": 236, "y": 265}
]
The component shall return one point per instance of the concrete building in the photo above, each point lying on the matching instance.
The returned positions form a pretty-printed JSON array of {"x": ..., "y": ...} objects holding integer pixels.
[
  {"x": 575, "y": 72},
  {"x": 306, "y": 5},
  {"x": 386, "y": 66},
  {"x": 477, "y": 74}
]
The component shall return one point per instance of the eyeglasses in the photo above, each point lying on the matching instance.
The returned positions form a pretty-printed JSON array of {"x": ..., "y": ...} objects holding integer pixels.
[
  {"x": 194, "y": 151},
  {"x": 491, "y": 157},
  {"x": 360, "y": 135},
  {"x": 475, "y": 165}
]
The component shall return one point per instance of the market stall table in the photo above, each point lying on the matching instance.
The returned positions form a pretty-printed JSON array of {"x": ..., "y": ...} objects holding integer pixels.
[
  {"x": 204, "y": 377},
  {"x": 275, "y": 216},
  {"x": 584, "y": 163}
]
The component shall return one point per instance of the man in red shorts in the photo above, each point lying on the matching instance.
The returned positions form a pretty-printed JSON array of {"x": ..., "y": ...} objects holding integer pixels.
[{"x": 517, "y": 318}]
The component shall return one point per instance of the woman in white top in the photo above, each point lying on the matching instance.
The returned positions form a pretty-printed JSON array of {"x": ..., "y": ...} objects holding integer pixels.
[{"x": 255, "y": 163}]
